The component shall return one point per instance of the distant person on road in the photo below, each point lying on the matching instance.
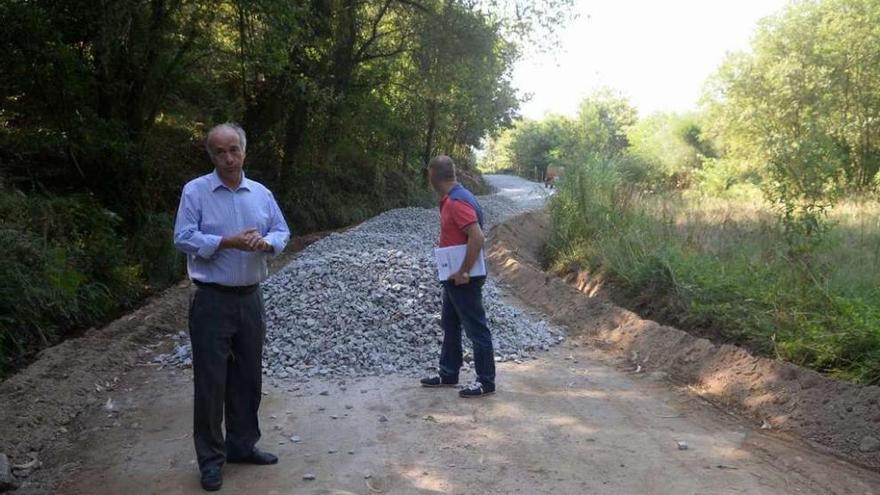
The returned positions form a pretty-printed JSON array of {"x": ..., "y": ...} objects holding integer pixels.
[
  {"x": 228, "y": 225},
  {"x": 461, "y": 222}
]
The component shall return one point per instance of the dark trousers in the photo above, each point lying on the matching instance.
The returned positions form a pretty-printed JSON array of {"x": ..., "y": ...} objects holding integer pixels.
[
  {"x": 463, "y": 307},
  {"x": 227, "y": 332}
]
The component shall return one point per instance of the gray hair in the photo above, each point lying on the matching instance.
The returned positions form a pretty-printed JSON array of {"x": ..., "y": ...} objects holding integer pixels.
[
  {"x": 242, "y": 137},
  {"x": 443, "y": 167}
]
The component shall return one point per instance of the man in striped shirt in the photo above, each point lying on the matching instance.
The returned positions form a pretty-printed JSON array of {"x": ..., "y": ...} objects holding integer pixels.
[{"x": 227, "y": 225}]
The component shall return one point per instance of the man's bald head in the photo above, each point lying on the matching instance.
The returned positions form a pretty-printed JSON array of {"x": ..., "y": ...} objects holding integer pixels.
[
  {"x": 442, "y": 168},
  {"x": 441, "y": 173},
  {"x": 226, "y": 128}
]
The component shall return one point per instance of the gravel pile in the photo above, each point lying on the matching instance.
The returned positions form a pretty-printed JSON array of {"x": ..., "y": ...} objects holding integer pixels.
[{"x": 366, "y": 302}]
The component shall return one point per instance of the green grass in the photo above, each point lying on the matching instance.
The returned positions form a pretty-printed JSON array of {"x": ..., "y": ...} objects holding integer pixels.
[{"x": 721, "y": 264}]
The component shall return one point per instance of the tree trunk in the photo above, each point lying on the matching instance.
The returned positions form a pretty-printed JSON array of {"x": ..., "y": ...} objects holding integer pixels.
[
  {"x": 432, "y": 130},
  {"x": 295, "y": 130}
]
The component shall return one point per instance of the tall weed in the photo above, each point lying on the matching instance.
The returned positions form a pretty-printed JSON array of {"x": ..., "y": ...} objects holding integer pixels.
[{"x": 723, "y": 266}]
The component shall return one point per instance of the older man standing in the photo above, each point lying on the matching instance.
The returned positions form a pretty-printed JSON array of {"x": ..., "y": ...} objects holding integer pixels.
[
  {"x": 228, "y": 226},
  {"x": 461, "y": 222}
]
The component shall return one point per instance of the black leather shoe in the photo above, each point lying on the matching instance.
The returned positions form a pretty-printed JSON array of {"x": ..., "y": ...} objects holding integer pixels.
[
  {"x": 257, "y": 457},
  {"x": 212, "y": 479},
  {"x": 439, "y": 381}
]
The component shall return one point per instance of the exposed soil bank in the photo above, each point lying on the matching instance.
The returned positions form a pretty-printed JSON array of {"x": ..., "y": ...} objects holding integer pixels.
[{"x": 842, "y": 417}]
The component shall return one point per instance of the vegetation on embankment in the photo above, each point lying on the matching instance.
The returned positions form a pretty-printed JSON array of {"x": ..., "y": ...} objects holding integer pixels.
[
  {"x": 722, "y": 266},
  {"x": 103, "y": 108},
  {"x": 755, "y": 218}
]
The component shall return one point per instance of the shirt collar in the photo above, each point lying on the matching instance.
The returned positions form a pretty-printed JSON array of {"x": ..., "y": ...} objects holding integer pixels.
[
  {"x": 446, "y": 196},
  {"x": 217, "y": 182}
]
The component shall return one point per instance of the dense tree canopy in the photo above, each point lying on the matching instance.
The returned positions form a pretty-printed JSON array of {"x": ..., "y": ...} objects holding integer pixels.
[{"x": 103, "y": 107}]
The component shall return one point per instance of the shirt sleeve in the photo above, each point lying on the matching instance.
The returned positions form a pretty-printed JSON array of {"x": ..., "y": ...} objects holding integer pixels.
[
  {"x": 187, "y": 236},
  {"x": 463, "y": 215},
  {"x": 279, "y": 233}
]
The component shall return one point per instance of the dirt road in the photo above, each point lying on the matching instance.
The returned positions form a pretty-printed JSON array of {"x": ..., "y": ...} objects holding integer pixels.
[
  {"x": 574, "y": 421},
  {"x": 571, "y": 422}
]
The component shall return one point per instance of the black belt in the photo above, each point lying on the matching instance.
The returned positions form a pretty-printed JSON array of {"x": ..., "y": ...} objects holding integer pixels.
[{"x": 241, "y": 290}]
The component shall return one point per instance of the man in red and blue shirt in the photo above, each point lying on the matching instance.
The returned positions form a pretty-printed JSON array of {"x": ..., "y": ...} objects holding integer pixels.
[{"x": 461, "y": 223}]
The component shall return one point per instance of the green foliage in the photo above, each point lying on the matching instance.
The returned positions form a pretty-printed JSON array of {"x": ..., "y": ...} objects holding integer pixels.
[
  {"x": 64, "y": 267},
  {"x": 802, "y": 108},
  {"x": 103, "y": 108},
  {"x": 532, "y": 147},
  {"x": 604, "y": 118},
  {"x": 720, "y": 176},
  {"x": 660, "y": 151},
  {"x": 738, "y": 219},
  {"x": 161, "y": 264},
  {"x": 723, "y": 266},
  {"x": 671, "y": 149}
]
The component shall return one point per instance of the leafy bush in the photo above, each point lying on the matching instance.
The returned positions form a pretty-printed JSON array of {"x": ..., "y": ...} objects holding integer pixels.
[
  {"x": 718, "y": 176},
  {"x": 669, "y": 145},
  {"x": 65, "y": 267}
]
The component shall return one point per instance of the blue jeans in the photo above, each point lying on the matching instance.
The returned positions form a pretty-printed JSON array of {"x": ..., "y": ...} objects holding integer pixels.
[{"x": 463, "y": 307}]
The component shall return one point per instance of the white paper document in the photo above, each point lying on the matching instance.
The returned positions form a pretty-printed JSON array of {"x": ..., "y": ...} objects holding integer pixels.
[{"x": 449, "y": 260}]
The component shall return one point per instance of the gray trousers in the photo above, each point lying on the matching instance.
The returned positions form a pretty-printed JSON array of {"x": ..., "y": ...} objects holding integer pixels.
[{"x": 227, "y": 332}]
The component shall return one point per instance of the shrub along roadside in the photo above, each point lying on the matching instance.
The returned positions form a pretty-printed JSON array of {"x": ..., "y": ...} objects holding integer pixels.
[
  {"x": 62, "y": 265},
  {"x": 733, "y": 276}
]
